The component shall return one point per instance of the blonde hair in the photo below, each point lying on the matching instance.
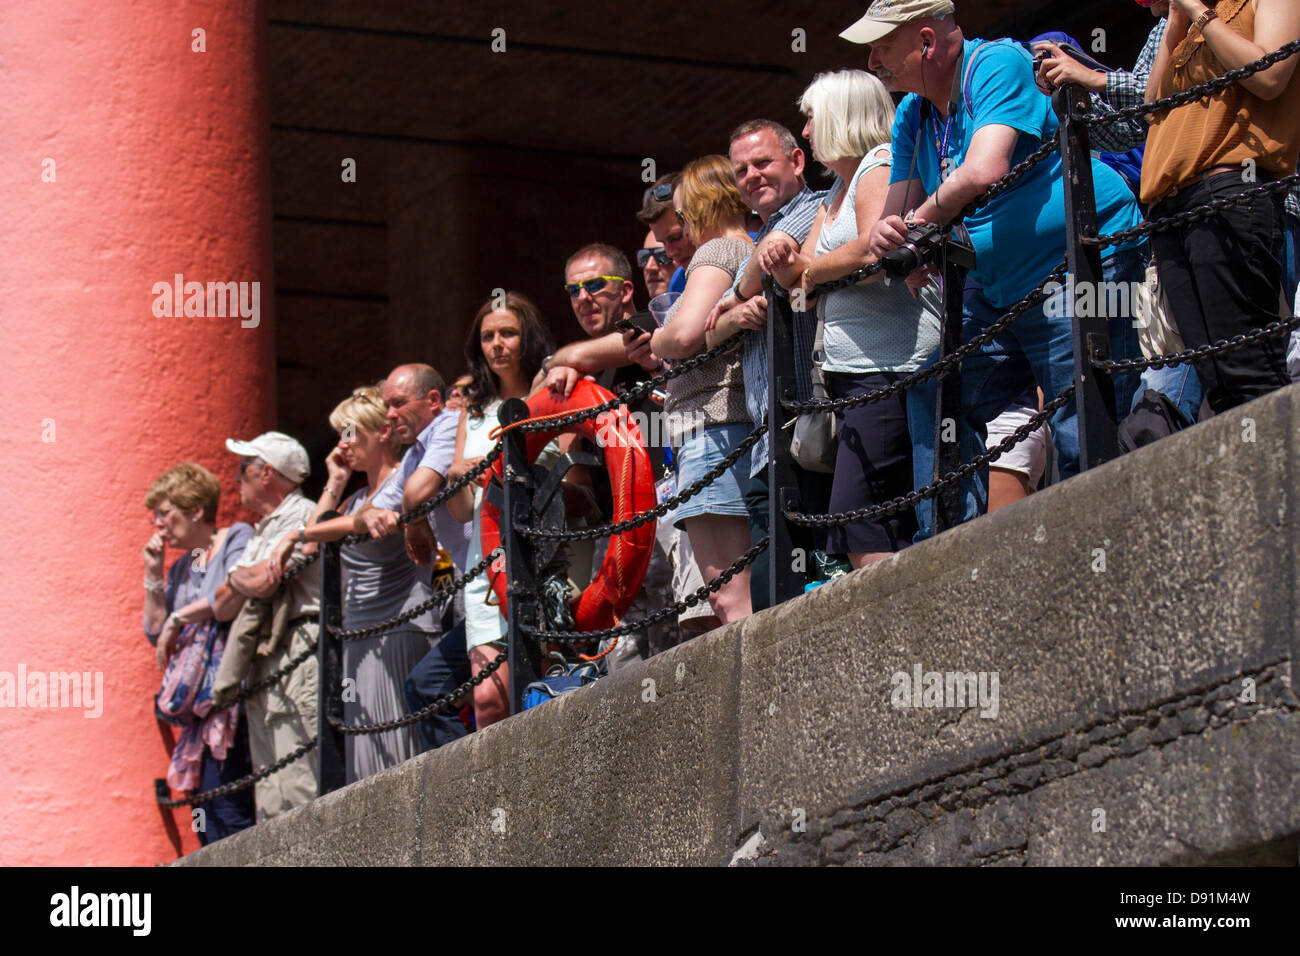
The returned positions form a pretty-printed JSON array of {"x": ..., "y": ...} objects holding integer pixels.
[
  {"x": 710, "y": 196},
  {"x": 851, "y": 114},
  {"x": 187, "y": 486},
  {"x": 365, "y": 409}
]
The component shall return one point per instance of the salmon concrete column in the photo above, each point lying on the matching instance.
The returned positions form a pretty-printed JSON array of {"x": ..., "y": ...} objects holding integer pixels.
[{"x": 134, "y": 160}]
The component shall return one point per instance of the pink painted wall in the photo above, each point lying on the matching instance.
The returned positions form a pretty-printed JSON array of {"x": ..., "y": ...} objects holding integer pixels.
[{"x": 161, "y": 167}]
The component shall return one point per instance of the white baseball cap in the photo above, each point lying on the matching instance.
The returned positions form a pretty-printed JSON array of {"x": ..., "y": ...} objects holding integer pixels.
[
  {"x": 884, "y": 16},
  {"x": 278, "y": 450}
]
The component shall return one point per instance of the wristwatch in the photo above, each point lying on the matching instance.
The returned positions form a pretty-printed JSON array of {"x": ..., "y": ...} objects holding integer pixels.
[
  {"x": 301, "y": 532},
  {"x": 1199, "y": 24},
  {"x": 173, "y": 616}
]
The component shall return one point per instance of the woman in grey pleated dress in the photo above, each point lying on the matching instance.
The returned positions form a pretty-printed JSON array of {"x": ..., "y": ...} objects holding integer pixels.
[{"x": 379, "y": 581}]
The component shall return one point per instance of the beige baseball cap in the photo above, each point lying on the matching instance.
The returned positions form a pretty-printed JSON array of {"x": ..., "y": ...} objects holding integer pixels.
[
  {"x": 884, "y": 16},
  {"x": 278, "y": 450}
]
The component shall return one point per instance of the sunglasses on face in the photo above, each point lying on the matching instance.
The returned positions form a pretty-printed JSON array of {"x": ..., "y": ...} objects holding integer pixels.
[
  {"x": 591, "y": 285},
  {"x": 661, "y": 193},
  {"x": 660, "y": 256}
]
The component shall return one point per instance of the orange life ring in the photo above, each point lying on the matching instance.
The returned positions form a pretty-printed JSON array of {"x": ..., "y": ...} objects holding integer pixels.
[{"x": 631, "y": 479}]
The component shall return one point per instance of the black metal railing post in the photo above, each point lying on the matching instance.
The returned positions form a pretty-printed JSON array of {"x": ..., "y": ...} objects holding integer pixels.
[
  {"x": 330, "y": 770},
  {"x": 945, "y": 507},
  {"x": 1094, "y": 390},
  {"x": 521, "y": 580},
  {"x": 784, "y": 582}
]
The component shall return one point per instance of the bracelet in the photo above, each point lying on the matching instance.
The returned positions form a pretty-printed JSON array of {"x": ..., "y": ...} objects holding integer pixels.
[
  {"x": 1199, "y": 24},
  {"x": 154, "y": 585},
  {"x": 739, "y": 298}
]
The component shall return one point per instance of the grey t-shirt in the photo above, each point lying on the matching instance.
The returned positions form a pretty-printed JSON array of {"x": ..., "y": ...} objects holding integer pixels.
[
  {"x": 379, "y": 580},
  {"x": 714, "y": 393}
]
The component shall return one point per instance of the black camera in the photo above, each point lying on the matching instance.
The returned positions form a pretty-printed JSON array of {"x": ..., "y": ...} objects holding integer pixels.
[{"x": 918, "y": 249}]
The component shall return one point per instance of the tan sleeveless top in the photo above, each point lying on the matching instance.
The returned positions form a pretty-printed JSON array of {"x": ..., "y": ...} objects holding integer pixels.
[{"x": 1224, "y": 130}]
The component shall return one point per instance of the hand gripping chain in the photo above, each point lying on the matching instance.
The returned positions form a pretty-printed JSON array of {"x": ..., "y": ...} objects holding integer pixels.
[
  {"x": 913, "y": 498},
  {"x": 633, "y": 394},
  {"x": 422, "y": 509}
]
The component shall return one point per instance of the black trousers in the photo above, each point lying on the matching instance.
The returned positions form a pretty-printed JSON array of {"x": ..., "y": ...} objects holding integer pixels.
[{"x": 1223, "y": 277}]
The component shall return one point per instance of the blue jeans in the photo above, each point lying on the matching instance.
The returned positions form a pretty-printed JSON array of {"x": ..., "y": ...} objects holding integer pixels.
[
  {"x": 444, "y": 668},
  {"x": 1180, "y": 384},
  {"x": 1036, "y": 349}
]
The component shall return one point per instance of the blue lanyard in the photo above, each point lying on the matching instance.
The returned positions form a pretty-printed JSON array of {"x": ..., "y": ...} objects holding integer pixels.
[{"x": 942, "y": 149}]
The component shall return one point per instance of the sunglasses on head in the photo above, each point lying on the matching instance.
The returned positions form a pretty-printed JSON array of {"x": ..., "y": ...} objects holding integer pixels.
[
  {"x": 661, "y": 193},
  {"x": 591, "y": 285},
  {"x": 660, "y": 256}
]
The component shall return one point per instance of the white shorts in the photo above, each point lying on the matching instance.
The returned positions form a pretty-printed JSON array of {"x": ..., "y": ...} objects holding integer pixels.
[{"x": 1027, "y": 458}]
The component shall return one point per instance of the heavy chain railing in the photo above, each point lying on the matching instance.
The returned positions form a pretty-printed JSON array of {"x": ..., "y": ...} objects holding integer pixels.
[
  {"x": 1202, "y": 213},
  {"x": 243, "y": 783},
  {"x": 439, "y": 596},
  {"x": 636, "y": 392},
  {"x": 659, "y": 510},
  {"x": 439, "y": 704},
  {"x": 945, "y": 365},
  {"x": 967, "y": 470}
]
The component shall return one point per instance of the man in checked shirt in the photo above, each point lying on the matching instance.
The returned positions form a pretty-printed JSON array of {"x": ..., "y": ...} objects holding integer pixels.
[{"x": 769, "y": 168}]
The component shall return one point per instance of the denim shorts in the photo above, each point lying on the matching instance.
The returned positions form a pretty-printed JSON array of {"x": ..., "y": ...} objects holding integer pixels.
[{"x": 702, "y": 451}]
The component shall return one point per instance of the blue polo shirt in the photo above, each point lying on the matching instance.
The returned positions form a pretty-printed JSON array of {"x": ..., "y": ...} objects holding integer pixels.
[{"x": 1020, "y": 236}]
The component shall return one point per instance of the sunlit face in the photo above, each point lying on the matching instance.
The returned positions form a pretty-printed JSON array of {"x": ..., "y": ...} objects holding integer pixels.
[
  {"x": 252, "y": 475},
  {"x": 501, "y": 339},
  {"x": 671, "y": 231},
  {"x": 363, "y": 447},
  {"x": 406, "y": 408},
  {"x": 896, "y": 60},
  {"x": 174, "y": 524},
  {"x": 656, "y": 276},
  {"x": 596, "y": 312},
  {"x": 766, "y": 177}
]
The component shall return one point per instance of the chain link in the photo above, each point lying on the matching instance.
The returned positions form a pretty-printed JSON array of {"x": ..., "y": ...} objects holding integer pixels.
[
  {"x": 439, "y": 596},
  {"x": 630, "y": 627},
  {"x": 941, "y": 368},
  {"x": 1199, "y": 214},
  {"x": 1240, "y": 341},
  {"x": 659, "y": 510},
  {"x": 635, "y": 393},
  {"x": 243, "y": 783},
  {"x": 422, "y": 509},
  {"x": 440, "y": 703},
  {"x": 913, "y": 498},
  {"x": 1208, "y": 88}
]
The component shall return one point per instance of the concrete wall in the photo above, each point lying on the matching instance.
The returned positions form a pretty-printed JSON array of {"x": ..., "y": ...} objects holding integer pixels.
[{"x": 1141, "y": 621}]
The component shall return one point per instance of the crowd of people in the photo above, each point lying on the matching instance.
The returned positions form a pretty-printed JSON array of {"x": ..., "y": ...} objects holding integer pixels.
[{"x": 225, "y": 615}]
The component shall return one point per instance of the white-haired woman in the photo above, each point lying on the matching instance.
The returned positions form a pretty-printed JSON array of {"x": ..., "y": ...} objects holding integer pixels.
[
  {"x": 379, "y": 581},
  {"x": 874, "y": 334}
]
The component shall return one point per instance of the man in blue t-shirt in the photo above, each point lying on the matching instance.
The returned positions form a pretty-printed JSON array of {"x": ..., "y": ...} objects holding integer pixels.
[{"x": 974, "y": 112}]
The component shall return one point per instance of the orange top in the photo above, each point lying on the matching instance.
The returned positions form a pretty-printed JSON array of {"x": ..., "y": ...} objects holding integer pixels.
[{"x": 1231, "y": 126}]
